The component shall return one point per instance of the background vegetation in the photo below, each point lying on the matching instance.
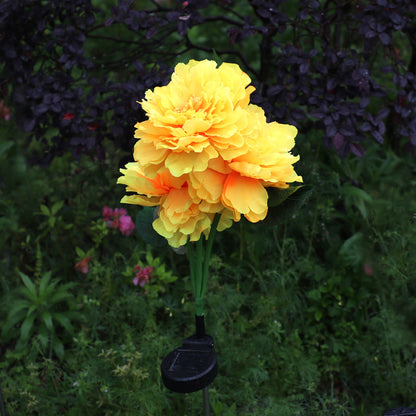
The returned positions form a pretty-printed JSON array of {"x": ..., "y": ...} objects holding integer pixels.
[{"x": 312, "y": 316}]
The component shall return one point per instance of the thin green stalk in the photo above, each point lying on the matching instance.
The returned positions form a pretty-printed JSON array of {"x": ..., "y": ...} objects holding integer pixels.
[
  {"x": 191, "y": 255},
  {"x": 208, "y": 252},
  {"x": 199, "y": 295},
  {"x": 199, "y": 266}
]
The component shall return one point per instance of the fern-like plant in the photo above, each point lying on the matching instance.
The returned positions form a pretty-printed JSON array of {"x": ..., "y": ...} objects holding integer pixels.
[{"x": 41, "y": 310}]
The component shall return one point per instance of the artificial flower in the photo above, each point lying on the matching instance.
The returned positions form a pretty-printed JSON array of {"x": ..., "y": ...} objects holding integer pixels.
[{"x": 205, "y": 150}]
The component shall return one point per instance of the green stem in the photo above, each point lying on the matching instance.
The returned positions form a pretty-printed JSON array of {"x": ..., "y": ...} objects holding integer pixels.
[
  {"x": 191, "y": 255},
  {"x": 208, "y": 252},
  {"x": 199, "y": 266},
  {"x": 199, "y": 294}
]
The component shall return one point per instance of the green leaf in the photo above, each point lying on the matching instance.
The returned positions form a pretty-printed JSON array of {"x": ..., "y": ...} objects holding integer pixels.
[
  {"x": 26, "y": 328},
  {"x": 144, "y": 220},
  {"x": 56, "y": 207},
  {"x": 80, "y": 252},
  {"x": 31, "y": 288},
  {"x": 59, "y": 297},
  {"x": 44, "y": 284},
  {"x": 43, "y": 339},
  {"x": 5, "y": 146},
  {"x": 50, "y": 290},
  {"x": 31, "y": 309},
  {"x": 45, "y": 210},
  {"x": 64, "y": 321},
  {"x": 58, "y": 347},
  {"x": 12, "y": 320},
  {"x": 47, "y": 320},
  {"x": 278, "y": 196},
  {"x": 352, "y": 250},
  {"x": 288, "y": 205},
  {"x": 18, "y": 306},
  {"x": 216, "y": 57},
  {"x": 358, "y": 197}
]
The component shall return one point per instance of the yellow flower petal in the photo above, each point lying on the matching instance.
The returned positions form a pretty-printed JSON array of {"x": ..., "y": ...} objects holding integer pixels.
[
  {"x": 245, "y": 196},
  {"x": 180, "y": 163},
  {"x": 196, "y": 125}
]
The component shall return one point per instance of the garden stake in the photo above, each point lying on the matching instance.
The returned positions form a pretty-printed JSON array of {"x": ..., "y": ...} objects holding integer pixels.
[
  {"x": 206, "y": 401},
  {"x": 208, "y": 139}
]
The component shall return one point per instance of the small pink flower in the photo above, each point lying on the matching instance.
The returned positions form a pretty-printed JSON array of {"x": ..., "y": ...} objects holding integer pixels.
[
  {"x": 118, "y": 219},
  {"x": 143, "y": 275},
  {"x": 118, "y": 212},
  {"x": 126, "y": 225},
  {"x": 107, "y": 213}
]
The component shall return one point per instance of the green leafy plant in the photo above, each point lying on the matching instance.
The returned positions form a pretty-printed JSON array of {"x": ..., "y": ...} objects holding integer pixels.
[{"x": 41, "y": 311}]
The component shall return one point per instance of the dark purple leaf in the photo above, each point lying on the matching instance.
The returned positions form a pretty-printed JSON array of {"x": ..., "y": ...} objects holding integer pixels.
[
  {"x": 40, "y": 109},
  {"x": 338, "y": 141},
  {"x": 304, "y": 67},
  {"x": 381, "y": 127},
  {"x": 29, "y": 124},
  {"x": 274, "y": 90},
  {"x": 364, "y": 102},
  {"x": 383, "y": 113},
  {"x": 151, "y": 32},
  {"x": 385, "y": 38},
  {"x": 365, "y": 126},
  {"x": 172, "y": 15},
  {"x": 357, "y": 149},
  {"x": 378, "y": 136},
  {"x": 331, "y": 84}
]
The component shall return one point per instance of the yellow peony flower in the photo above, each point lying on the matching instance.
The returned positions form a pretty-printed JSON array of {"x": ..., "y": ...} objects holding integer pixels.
[{"x": 205, "y": 150}]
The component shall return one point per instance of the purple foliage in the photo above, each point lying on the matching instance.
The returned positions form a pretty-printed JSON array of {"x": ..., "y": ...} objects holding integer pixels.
[{"x": 344, "y": 68}]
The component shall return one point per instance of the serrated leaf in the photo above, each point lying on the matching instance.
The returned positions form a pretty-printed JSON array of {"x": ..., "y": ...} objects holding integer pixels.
[
  {"x": 288, "y": 207},
  {"x": 144, "y": 220}
]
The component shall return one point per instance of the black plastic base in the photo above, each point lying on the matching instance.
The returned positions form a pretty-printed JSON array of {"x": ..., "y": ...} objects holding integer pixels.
[{"x": 193, "y": 366}]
